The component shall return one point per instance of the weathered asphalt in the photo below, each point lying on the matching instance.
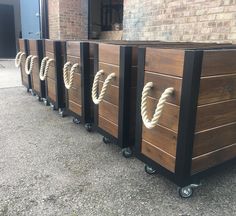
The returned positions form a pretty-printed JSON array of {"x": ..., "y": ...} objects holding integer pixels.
[{"x": 50, "y": 166}]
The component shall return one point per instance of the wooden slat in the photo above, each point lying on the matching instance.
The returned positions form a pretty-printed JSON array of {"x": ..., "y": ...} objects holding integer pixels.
[
  {"x": 74, "y": 107},
  {"x": 162, "y": 82},
  {"x": 158, "y": 156},
  {"x": 51, "y": 85},
  {"x": 32, "y": 52},
  {"x": 74, "y": 60},
  {"x": 214, "y": 158},
  {"x": 108, "y": 111},
  {"x": 162, "y": 138},
  {"x": 112, "y": 94},
  {"x": 108, "y": 126},
  {"x": 165, "y": 61},
  {"x": 218, "y": 62},
  {"x": 108, "y": 69},
  {"x": 75, "y": 95},
  {"x": 50, "y": 55},
  {"x": 49, "y": 45},
  {"x": 35, "y": 77},
  {"x": 216, "y": 89},
  {"x": 109, "y": 54},
  {"x": 211, "y": 140},
  {"x": 73, "y": 48},
  {"x": 51, "y": 71},
  {"x": 216, "y": 114},
  {"x": 77, "y": 81},
  {"x": 170, "y": 114},
  {"x": 33, "y": 45}
]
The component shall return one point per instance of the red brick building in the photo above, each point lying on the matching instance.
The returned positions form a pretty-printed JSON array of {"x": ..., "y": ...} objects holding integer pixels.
[{"x": 169, "y": 20}]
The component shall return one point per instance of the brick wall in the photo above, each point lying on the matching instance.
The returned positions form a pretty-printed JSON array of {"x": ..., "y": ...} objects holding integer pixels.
[
  {"x": 180, "y": 20},
  {"x": 68, "y": 19}
]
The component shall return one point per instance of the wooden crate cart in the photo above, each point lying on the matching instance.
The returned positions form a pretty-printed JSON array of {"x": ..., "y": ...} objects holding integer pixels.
[
  {"x": 51, "y": 72},
  {"x": 186, "y": 116},
  {"x": 78, "y": 77},
  {"x": 33, "y": 67},
  {"x": 20, "y": 63}
]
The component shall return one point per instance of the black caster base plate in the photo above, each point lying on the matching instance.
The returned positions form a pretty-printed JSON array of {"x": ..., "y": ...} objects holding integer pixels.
[
  {"x": 53, "y": 107},
  {"x": 149, "y": 170},
  {"x": 76, "y": 121},
  {"x": 88, "y": 127},
  {"x": 127, "y": 152},
  {"x": 62, "y": 112},
  {"x": 106, "y": 140}
]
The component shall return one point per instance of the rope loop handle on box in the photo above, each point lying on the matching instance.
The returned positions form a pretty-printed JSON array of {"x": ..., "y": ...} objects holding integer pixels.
[
  {"x": 98, "y": 99},
  {"x": 159, "y": 108},
  {"x": 68, "y": 74},
  {"x": 44, "y": 68},
  {"x": 19, "y": 58},
  {"x": 29, "y": 64}
]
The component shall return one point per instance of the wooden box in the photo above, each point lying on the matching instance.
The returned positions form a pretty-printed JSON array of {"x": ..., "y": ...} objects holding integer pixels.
[
  {"x": 38, "y": 86},
  {"x": 55, "y": 90},
  {"x": 78, "y": 96},
  {"x": 26, "y": 79},
  {"x": 195, "y": 132}
]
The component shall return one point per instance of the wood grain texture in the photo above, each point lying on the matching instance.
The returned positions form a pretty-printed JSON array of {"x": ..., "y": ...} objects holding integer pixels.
[
  {"x": 169, "y": 117},
  {"x": 74, "y": 95},
  {"x": 214, "y": 158},
  {"x": 217, "y": 62},
  {"x": 73, "y": 48},
  {"x": 162, "y": 138},
  {"x": 75, "y": 107},
  {"x": 35, "y": 77},
  {"x": 165, "y": 61},
  {"x": 108, "y": 69},
  {"x": 112, "y": 93},
  {"x": 21, "y": 45},
  {"x": 51, "y": 71},
  {"x": 33, "y": 45},
  {"x": 109, "y": 53},
  {"x": 158, "y": 156},
  {"x": 74, "y": 60},
  {"x": 50, "y": 55},
  {"x": 108, "y": 111},
  {"x": 211, "y": 140},
  {"x": 49, "y": 45},
  {"x": 162, "y": 82},
  {"x": 216, "y": 89},
  {"x": 216, "y": 114},
  {"x": 108, "y": 126},
  {"x": 51, "y": 85}
]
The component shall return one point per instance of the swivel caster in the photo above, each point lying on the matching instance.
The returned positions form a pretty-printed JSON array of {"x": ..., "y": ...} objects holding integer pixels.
[
  {"x": 88, "y": 127},
  {"x": 106, "y": 140},
  {"x": 76, "y": 121},
  {"x": 52, "y": 106},
  {"x": 45, "y": 102},
  {"x": 149, "y": 170},
  {"x": 62, "y": 112},
  {"x": 32, "y": 93},
  {"x": 28, "y": 90},
  {"x": 185, "y": 192},
  {"x": 39, "y": 98},
  {"x": 127, "y": 152}
]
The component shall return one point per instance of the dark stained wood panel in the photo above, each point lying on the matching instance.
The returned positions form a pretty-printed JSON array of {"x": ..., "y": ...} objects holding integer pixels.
[
  {"x": 50, "y": 55},
  {"x": 216, "y": 114},
  {"x": 214, "y": 158},
  {"x": 52, "y": 71},
  {"x": 49, "y": 45},
  {"x": 73, "y": 48},
  {"x": 211, "y": 140},
  {"x": 74, "y": 107},
  {"x": 112, "y": 93},
  {"x": 77, "y": 81},
  {"x": 51, "y": 85},
  {"x": 74, "y": 60},
  {"x": 109, "y": 53},
  {"x": 75, "y": 95},
  {"x": 218, "y": 62},
  {"x": 217, "y": 88},
  {"x": 162, "y": 138},
  {"x": 162, "y": 82},
  {"x": 165, "y": 61},
  {"x": 158, "y": 156},
  {"x": 35, "y": 77},
  {"x": 33, "y": 45},
  {"x": 108, "y": 126}
]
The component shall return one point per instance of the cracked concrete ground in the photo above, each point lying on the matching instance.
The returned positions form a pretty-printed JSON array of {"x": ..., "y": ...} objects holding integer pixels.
[{"x": 50, "y": 166}]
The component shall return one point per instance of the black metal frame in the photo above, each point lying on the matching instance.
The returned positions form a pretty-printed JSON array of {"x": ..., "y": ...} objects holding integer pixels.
[
  {"x": 188, "y": 108},
  {"x": 123, "y": 139},
  {"x": 42, "y": 93},
  {"x": 86, "y": 86},
  {"x": 59, "y": 86}
]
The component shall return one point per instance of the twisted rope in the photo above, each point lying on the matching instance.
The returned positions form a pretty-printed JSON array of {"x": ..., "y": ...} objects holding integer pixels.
[
  {"x": 29, "y": 61},
  {"x": 18, "y": 59},
  {"x": 44, "y": 68},
  {"x": 98, "y": 99},
  {"x": 159, "y": 108},
  {"x": 68, "y": 73}
]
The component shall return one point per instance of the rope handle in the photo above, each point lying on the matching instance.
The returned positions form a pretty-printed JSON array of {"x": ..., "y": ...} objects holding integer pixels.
[
  {"x": 159, "y": 108},
  {"x": 98, "y": 99},
  {"x": 29, "y": 64},
  {"x": 44, "y": 68},
  {"x": 68, "y": 74},
  {"x": 18, "y": 59}
]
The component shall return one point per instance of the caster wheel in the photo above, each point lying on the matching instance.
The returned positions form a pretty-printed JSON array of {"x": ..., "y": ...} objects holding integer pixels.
[
  {"x": 149, "y": 170},
  {"x": 52, "y": 106},
  {"x": 39, "y": 98},
  {"x": 127, "y": 152},
  {"x": 33, "y": 94},
  {"x": 185, "y": 192},
  {"x": 28, "y": 90},
  {"x": 88, "y": 127},
  {"x": 76, "y": 121},
  {"x": 45, "y": 102},
  {"x": 62, "y": 113},
  {"x": 106, "y": 140}
]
